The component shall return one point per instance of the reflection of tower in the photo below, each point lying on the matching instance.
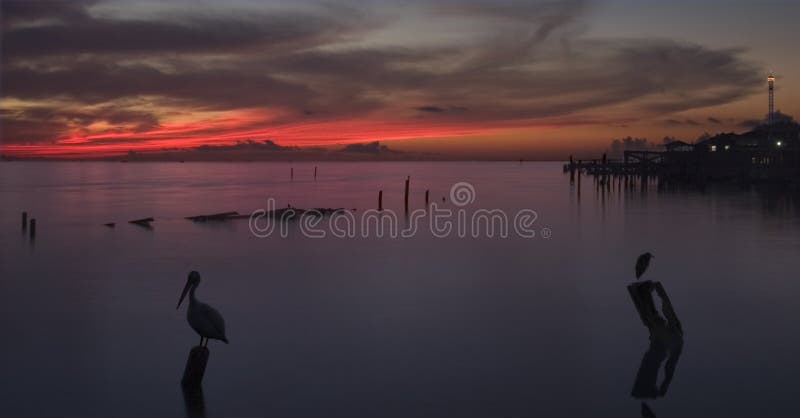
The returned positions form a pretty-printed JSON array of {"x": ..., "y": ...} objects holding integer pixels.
[{"x": 771, "y": 114}]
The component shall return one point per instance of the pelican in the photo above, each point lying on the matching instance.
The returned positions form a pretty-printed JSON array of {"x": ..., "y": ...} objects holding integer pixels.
[
  {"x": 641, "y": 264},
  {"x": 204, "y": 319}
]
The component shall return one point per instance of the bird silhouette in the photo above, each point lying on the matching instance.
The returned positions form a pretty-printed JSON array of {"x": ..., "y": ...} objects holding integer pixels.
[
  {"x": 641, "y": 264},
  {"x": 204, "y": 319}
]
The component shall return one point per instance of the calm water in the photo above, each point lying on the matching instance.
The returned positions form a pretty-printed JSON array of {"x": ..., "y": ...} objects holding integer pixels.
[{"x": 373, "y": 327}]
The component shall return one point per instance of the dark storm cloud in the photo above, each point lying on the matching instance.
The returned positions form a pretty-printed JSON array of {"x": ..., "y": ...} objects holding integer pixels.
[
  {"x": 750, "y": 123},
  {"x": 285, "y": 60},
  {"x": 367, "y": 148},
  {"x": 430, "y": 109},
  {"x": 98, "y": 82},
  {"x": 191, "y": 35},
  {"x": 16, "y": 11}
]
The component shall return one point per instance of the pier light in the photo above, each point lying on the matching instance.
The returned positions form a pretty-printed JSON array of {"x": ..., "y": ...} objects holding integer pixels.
[
  {"x": 779, "y": 143},
  {"x": 713, "y": 148},
  {"x": 727, "y": 147}
]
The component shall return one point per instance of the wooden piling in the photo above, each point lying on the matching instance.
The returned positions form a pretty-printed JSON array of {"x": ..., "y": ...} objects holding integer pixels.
[
  {"x": 33, "y": 228},
  {"x": 380, "y": 199},
  {"x": 315, "y": 173},
  {"x": 291, "y": 174},
  {"x": 427, "y": 193},
  {"x": 195, "y": 367},
  {"x": 408, "y": 179},
  {"x": 194, "y": 401},
  {"x": 24, "y": 220}
]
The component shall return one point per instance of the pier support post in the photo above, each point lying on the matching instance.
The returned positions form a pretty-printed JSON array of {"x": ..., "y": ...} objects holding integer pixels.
[
  {"x": 24, "y": 220},
  {"x": 380, "y": 199},
  {"x": 33, "y": 228},
  {"x": 408, "y": 179},
  {"x": 291, "y": 174},
  {"x": 315, "y": 173},
  {"x": 195, "y": 367},
  {"x": 427, "y": 194}
]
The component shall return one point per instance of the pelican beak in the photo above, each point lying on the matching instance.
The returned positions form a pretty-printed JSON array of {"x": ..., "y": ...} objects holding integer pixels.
[{"x": 183, "y": 294}]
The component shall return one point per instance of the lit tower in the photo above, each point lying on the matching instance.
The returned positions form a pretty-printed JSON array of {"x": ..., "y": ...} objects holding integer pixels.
[{"x": 771, "y": 114}]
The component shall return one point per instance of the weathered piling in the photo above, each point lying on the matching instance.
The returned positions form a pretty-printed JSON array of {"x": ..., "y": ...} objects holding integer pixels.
[
  {"x": 291, "y": 174},
  {"x": 657, "y": 323},
  {"x": 427, "y": 194},
  {"x": 380, "y": 199},
  {"x": 24, "y": 220},
  {"x": 194, "y": 401},
  {"x": 315, "y": 173},
  {"x": 195, "y": 367},
  {"x": 33, "y": 228},
  {"x": 408, "y": 179}
]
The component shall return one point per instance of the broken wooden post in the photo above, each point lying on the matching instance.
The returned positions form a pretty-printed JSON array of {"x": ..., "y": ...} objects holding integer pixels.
[
  {"x": 195, "y": 367},
  {"x": 194, "y": 402},
  {"x": 315, "y": 173},
  {"x": 427, "y": 194},
  {"x": 380, "y": 199},
  {"x": 291, "y": 174},
  {"x": 658, "y": 325},
  {"x": 24, "y": 220},
  {"x": 408, "y": 179},
  {"x": 33, "y": 228}
]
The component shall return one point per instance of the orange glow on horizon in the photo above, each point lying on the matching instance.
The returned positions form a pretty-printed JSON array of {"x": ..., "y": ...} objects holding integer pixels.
[{"x": 251, "y": 124}]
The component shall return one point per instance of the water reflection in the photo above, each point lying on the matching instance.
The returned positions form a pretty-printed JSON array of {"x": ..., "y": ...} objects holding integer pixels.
[
  {"x": 646, "y": 385},
  {"x": 666, "y": 343}
]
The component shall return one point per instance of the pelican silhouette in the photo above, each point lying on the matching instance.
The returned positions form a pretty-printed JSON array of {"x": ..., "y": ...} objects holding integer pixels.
[
  {"x": 641, "y": 264},
  {"x": 204, "y": 319}
]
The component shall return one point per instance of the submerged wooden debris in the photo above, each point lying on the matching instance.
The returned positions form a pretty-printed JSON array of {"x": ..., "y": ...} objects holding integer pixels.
[
  {"x": 213, "y": 217},
  {"x": 144, "y": 222},
  {"x": 287, "y": 213},
  {"x": 290, "y": 213}
]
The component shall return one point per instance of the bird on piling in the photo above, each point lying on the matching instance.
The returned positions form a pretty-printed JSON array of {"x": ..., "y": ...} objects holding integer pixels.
[
  {"x": 641, "y": 264},
  {"x": 204, "y": 319}
]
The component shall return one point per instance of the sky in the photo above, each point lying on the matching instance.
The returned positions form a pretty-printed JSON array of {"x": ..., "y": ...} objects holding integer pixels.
[{"x": 471, "y": 78}]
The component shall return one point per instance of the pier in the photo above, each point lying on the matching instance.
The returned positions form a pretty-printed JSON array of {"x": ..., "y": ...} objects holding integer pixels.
[{"x": 715, "y": 160}]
